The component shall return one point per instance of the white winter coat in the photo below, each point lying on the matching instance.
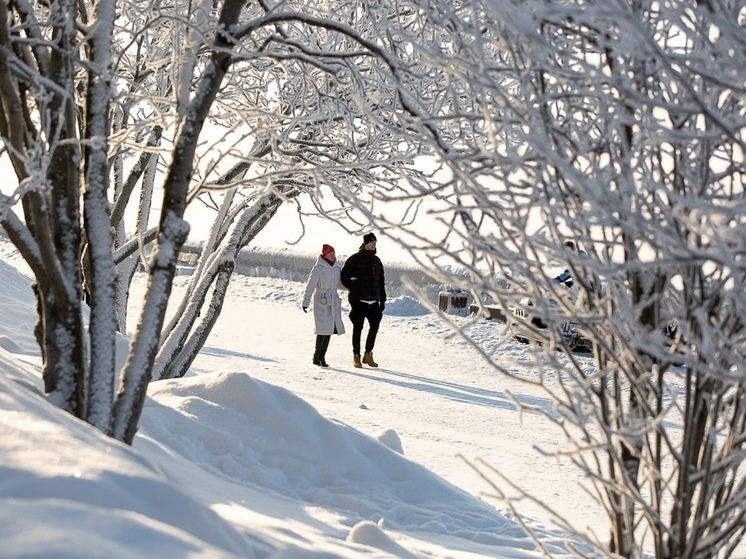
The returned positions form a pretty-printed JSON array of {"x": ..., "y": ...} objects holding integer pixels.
[{"x": 323, "y": 282}]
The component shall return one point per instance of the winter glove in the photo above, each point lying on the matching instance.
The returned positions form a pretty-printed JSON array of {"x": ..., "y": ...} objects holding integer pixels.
[
  {"x": 305, "y": 309},
  {"x": 383, "y": 306}
]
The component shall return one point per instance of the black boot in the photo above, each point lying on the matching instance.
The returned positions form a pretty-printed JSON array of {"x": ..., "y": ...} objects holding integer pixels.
[
  {"x": 322, "y": 353},
  {"x": 317, "y": 351}
]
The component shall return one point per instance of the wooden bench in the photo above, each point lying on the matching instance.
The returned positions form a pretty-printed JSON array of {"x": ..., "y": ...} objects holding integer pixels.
[{"x": 489, "y": 312}]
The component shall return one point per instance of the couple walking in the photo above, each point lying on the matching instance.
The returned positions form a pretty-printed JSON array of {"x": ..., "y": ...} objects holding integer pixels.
[{"x": 363, "y": 277}]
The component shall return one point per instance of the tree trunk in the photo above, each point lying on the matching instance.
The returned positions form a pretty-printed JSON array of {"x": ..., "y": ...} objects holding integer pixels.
[
  {"x": 172, "y": 232},
  {"x": 96, "y": 212}
]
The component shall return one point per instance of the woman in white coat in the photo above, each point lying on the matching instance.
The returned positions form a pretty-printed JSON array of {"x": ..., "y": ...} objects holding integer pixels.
[{"x": 323, "y": 282}]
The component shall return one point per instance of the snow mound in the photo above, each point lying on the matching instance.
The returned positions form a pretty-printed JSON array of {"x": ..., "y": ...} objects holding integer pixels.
[
  {"x": 370, "y": 534},
  {"x": 258, "y": 434},
  {"x": 391, "y": 439},
  {"x": 405, "y": 306}
]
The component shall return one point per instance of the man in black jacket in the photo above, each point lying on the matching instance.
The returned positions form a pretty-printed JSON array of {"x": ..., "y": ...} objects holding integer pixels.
[{"x": 363, "y": 275}]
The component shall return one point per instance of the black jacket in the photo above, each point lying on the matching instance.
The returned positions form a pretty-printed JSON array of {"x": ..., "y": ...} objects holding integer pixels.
[{"x": 363, "y": 275}]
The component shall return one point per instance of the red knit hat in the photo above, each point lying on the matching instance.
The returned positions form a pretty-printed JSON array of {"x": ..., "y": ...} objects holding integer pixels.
[{"x": 326, "y": 249}]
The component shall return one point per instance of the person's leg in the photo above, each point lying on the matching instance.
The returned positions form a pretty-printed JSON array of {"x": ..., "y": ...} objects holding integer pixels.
[
  {"x": 357, "y": 316},
  {"x": 374, "y": 320},
  {"x": 324, "y": 347},
  {"x": 374, "y": 316},
  {"x": 317, "y": 351}
]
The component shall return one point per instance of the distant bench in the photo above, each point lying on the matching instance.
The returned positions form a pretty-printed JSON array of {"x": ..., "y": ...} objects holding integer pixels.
[
  {"x": 489, "y": 312},
  {"x": 188, "y": 258}
]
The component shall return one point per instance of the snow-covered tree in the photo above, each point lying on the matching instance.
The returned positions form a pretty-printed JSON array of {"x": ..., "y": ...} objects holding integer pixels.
[
  {"x": 620, "y": 127},
  {"x": 60, "y": 90},
  {"x": 111, "y": 109}
]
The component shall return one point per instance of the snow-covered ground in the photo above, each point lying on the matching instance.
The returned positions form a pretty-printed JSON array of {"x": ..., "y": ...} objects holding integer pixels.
[{"x": 260, "y": 454}]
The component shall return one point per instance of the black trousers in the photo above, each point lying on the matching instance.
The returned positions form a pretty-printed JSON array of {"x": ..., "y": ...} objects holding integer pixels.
[{"x": 359, "y": 312}]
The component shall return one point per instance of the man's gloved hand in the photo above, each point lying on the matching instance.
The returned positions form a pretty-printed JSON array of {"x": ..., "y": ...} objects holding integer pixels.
[
  {"x": 305, "y": 309},
  {"x": 383, "y": 305}
]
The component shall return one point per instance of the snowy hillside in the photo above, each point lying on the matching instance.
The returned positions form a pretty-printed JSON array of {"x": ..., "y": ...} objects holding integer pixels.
[{"x": 260, "y": 454}]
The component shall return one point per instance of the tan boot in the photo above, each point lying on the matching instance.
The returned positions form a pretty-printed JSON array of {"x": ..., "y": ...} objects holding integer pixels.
[
  {"x": 356, "y": 361},
  {"x": 368, "y": 359}
]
